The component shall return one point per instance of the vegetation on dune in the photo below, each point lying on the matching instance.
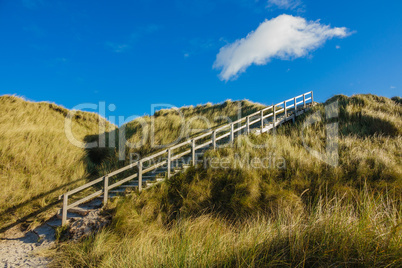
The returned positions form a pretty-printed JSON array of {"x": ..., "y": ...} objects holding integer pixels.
[
  {"x": 291, "y": 210},
  {"x": 37, "y": 161},
  {"x": 397, "y": 99},
  {"x": 306, "y": 213},
  {"x": 359, "y": 233},
  {"x": 147, "y": 134}
]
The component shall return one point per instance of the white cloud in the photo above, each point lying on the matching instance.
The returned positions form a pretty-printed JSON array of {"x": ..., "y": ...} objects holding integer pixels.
[
  {"x": 392, "y": 87},
  {"x": 285, "y": 4},
  {"x": 338, "y": 47},
  {"x": 284, "y": 37}
]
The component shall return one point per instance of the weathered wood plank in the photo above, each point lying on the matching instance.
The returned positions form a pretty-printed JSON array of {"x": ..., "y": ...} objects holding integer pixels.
[
  {"x": 82, "y": 187},
  {"x": 129, "y": 178},
  {"x": 181, "y": 154},
  {"x": 203, "y": 145},
  {"x": 154, "y": 166},
  {"x": 223, "y": 136},
  {"x": 85, "y": 199}
]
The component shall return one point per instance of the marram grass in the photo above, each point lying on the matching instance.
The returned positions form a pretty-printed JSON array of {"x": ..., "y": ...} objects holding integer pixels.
[
  {"x": 306, "y": 215},
  {"x": 365, "y": 232},
  {"x": 37, "y": 161}
]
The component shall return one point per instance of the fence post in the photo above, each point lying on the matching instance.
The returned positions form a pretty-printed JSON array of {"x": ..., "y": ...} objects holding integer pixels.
[
  {"x": 168, "y": 163},
  {"x": 214, "y": 139},
  {"x": 295, "y": 106},
  {"x": 274, "y": 117},
  {"x": 262, "y": 120},
  {"x": 140, "y": 176},
  {"x": 248, "y": 125},
  {"x": 193, "y": 151},
  {"x": 105, "y": 189},
  {"x": 312, "y": 101},
  {"x": 231, "y": 133},
  {"x": 304, "y": 101},
  {"x": 64, "y": 212},
  {"x": 286, "y": 111}
]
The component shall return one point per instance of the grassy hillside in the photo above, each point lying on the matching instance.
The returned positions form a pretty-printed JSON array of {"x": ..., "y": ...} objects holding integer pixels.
[
  {"x": 37, "y": 161},
  {"x": 307, "y": 214},
  {"x": 169, "y": 126}
]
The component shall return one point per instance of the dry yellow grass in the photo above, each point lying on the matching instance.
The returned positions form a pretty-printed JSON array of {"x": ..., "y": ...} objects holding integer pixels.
[
  {"x": 37, "y": 161},
  {"x": 171, "y": 126},
  {"x": 360, "y": 233},
  {"x": 306, "y": 215}
]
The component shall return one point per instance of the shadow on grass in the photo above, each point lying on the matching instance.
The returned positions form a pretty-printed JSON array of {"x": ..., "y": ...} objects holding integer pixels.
[
  {"x": 95, "y": 158},
  {"x": 24, "y": 218}
]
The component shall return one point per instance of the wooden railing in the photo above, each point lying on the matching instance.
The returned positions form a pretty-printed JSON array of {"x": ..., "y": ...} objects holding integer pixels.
[{"x": 212, "y": 136}]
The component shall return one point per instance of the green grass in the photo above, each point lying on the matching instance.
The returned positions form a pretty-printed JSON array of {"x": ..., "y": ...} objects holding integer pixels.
[
  {"x": 37, "y": 161},
  {"x": 308, "y": 214}
]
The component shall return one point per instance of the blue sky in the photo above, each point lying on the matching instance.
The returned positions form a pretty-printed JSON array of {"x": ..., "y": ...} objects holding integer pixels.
[{"x": 187, "y": 52}]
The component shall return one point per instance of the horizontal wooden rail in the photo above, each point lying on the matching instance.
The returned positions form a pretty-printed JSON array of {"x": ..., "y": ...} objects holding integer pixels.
[
  {"x": 214, "y": 134},
  {"x": 223, "y": 127},
  {"x": 239, "y": 120},
  {"x": 203, "y": 145},
  {"x": 256, "y": 113},
  {"x": 239, "y": 128},
  {"x": 83, "y": 200},
  {"x": 267, "y": 108},
  {"x": 153, "y": 156},
  {"x": 181, "y": 155},
  {"x": 180, "y": 144},
  {"x": 203, "y": 135},
  {"x": 268, "y": 115},
  {"x": 222, "y": 136},
  {"x": 255, "y": 121},
  {"x": 280, "y": 103},
  {"x": 279, "y": 111},
  {"x": 123, "y": 181},
  {"x": 122, "y": 169},
  {"x": 290, "y": 106},
  {"x": 299, "y": 96},
  {"x": 155, "y": 166},
  {"x": 83, "y": 187}
]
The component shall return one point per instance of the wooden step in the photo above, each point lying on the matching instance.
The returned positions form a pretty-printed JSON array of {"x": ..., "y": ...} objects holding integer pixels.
[
  {"x": 145, "y": 176},
  {"x": 117, "y": 191},
  {"x": 80, "y": 211},
  {"x": 70, "y": 215},
  {"x": 77, "y": 211},
  {"x": 128, "y": 186}
]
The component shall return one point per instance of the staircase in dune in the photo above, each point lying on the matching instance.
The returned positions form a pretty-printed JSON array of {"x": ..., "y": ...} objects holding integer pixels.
[{"x": 154, "y": 169}]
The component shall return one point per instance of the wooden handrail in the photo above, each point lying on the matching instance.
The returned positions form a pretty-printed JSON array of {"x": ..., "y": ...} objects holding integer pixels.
[{"x": 170, "y": 156}]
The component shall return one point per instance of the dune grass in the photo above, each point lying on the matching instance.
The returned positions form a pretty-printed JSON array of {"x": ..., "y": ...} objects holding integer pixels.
[
  {"x": 37, "y": 161},
  {"x": 303, "y": 214},
  {"x": 362, "y": 232},
  {"x": 148, "y": 134}
]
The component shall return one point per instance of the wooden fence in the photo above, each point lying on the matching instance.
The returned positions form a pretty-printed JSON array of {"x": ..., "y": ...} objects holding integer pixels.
[{"x": 296, "y": 104}]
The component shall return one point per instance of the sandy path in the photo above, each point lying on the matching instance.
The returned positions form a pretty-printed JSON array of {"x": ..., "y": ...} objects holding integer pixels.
[{"x": 20, "y": 249}]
